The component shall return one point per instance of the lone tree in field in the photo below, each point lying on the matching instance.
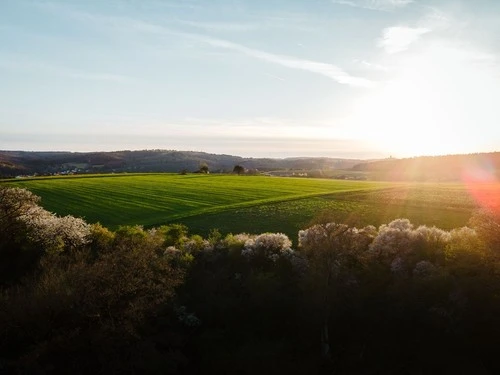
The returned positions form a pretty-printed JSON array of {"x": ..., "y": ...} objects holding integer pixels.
[
  {"x": 238, "y": 169},
  {"x": 204, "y": 168}
]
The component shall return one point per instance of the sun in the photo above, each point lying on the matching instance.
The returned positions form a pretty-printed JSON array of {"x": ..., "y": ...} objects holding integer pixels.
[{"x": 430, "y": 105}]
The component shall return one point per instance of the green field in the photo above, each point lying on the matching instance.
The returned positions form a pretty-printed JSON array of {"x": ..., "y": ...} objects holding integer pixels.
[{"x": 252, "y": 204}]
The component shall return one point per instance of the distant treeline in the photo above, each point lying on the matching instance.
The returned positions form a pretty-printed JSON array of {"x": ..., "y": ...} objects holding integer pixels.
[
  {"x": 477, "y": 167},
  {"x": 81, "y": 299},
  {"x": 423, "y": 168},
  {"x": 13, "y": 163}
]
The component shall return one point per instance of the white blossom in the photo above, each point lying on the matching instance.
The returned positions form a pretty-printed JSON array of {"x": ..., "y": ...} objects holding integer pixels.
[
  {"x": 400, "y": 224},
  {"x": 271, "y": 245},
  {"x": 394, "y": 239},
  {"x": 464, "y": 235},
  {"x": 248, "y": 248},
  {"x": 197, "y": 244},
  {"x": 235, "y": 241},
  {"x": 53, "y": 232},
  {"x": 337, "y": 237},
  {"x": 432, "y": 234},
  {"x": 172, "y": 250}
]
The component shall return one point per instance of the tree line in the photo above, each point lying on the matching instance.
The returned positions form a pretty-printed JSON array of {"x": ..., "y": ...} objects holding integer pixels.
[{"x": 80, "y": 298}]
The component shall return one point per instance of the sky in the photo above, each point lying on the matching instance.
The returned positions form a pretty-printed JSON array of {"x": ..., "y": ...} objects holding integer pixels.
[{"x": 257, "y": 78}]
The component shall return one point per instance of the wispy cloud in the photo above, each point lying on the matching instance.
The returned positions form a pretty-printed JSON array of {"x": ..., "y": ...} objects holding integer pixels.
[
  {"x": 371, "y": 66},
  {"x": 399, "y": 38},
  {"x": 328, "y": 70},
  {"x": 325, "y": 69},
  {"x": 222, "y": 26},
  {"x": 437, "y": 20},
  {"x": 383, "y": 5}
]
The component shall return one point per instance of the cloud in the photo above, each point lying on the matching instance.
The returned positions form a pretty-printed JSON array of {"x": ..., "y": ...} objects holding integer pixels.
[
  {"x": 399, "y": 38},
  {"x": 383, "y": 5},
  {"x": 371, "y": 66},
  {"x": 222, "y": 26},
  {"x": 328, "y": 70}
]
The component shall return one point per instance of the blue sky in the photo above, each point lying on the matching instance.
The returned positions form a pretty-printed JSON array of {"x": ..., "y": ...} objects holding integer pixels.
[{"x": 277, "y": 78}]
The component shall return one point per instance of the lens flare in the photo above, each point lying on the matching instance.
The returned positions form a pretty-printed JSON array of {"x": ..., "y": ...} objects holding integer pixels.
[{"x": 482, "y": 182}]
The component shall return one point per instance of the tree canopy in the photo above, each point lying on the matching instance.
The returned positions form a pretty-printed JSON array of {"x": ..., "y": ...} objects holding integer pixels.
[
  {"x": 238, "y": 169},
  {"x": 345, "y": 300}
]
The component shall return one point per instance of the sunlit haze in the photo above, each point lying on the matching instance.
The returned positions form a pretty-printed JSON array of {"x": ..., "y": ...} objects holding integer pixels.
[{"x": 340, "y": 78}]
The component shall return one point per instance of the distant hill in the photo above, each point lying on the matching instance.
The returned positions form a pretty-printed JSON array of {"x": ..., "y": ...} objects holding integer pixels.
[
  {"x": 423, "y": 168},
  {"x": 481, "y": 166},
  {"x": 14, "y": 163}
]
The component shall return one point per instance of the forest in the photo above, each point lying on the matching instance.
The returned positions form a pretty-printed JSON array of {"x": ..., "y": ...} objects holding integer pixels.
[
  {"x": 422, "y": 168},
  {"x": 395, "y": 299},
  {"x": 14, "y": 163}
]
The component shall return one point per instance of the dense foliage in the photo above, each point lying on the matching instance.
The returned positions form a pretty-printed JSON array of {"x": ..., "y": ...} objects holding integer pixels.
[{"x": 79, "y": 298}]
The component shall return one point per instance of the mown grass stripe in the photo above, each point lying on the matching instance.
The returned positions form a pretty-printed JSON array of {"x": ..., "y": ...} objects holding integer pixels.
[
  {"x": 155, "y": 198},
  {"x": 216, "y": 200}
]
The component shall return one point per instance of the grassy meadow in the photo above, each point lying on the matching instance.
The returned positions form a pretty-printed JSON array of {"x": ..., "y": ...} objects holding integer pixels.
[{"x": 251, "y": 204}]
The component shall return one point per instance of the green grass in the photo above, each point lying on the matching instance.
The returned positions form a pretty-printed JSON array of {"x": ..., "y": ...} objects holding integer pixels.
[
  {"x": 252, "y": 204},
  {"x": 442, "y": 205}
]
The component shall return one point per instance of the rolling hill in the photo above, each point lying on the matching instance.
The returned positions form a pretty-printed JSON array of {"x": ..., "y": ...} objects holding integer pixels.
[{"x": 13, "y": 163}]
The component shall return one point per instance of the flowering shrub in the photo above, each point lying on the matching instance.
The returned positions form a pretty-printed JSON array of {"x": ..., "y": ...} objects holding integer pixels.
[
  {"x": 432, "y": 235},
  {"x": 270, "y": 245},
  {"x": 408, "y": 251},
  {"x": 55, "y": 233},
  {"x": 336, "y": 238},
  {"x": 196, "y": 243},
  {"x": 234, "y": 242},
  {"x": 16, "y": 201},
  {"x": 172, "y": 251},
  {"x": 394, "y": 239}
]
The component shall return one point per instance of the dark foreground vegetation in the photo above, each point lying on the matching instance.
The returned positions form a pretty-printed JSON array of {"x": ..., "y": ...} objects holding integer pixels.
[{"x": 398, "y": 299}]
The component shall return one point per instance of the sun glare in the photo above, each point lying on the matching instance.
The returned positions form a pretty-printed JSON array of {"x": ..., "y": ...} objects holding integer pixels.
[{"x": 429, "y": 106}]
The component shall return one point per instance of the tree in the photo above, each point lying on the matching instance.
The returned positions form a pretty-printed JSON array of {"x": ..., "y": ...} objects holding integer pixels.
[
  {"x": 238, "y": 169},
  {"x": 204, "y": 168},
  {"x": 487, "y": 225},
  {"x": 333, "y": 252},
  {"x": 78, "y": 303},
  {"x": 54, "y": 233},
  {"x": 14, "y": 204},
  {"x": 17, "y": 256}
]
